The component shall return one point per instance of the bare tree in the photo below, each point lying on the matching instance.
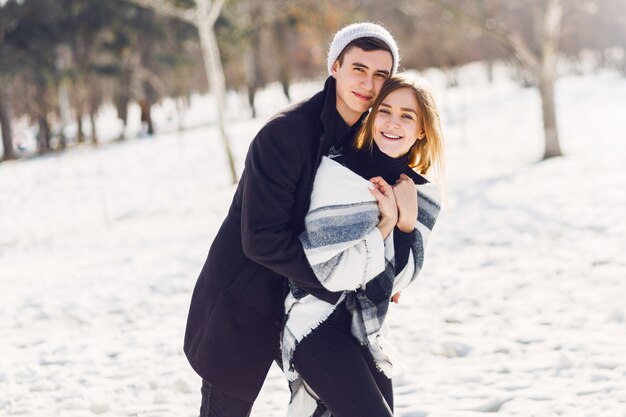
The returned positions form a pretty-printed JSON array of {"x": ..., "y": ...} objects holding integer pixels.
[
  {"x": 5, "y": 106},
  {"x": 203, "y": 17},
  {"x": 539, "y": 59},
  {"x": 5, "y": 124}
]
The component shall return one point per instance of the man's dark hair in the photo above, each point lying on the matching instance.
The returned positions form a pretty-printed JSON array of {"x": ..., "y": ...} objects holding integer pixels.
[{"x": 367, "y": 44}]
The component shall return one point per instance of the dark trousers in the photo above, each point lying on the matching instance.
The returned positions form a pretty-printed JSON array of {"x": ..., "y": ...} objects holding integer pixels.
[
  {"x": 216, "y": 403},
  {"x": 342, "y": 372}
]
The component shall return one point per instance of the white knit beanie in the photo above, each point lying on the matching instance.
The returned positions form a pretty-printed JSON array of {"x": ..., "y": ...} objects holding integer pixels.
[{"x": 361, "y": 30}]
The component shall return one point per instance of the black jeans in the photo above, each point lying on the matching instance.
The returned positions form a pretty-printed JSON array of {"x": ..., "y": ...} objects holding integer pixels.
[
  {"x": 216, "y": 403},
  {"x": 342, "y": 372}
]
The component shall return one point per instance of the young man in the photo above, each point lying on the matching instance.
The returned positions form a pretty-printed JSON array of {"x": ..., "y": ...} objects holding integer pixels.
[{"x": 236, "y": 311}]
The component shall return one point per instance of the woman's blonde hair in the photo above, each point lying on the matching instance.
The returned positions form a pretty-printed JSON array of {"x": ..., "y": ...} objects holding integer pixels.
[{"x": 425, "y": 153}]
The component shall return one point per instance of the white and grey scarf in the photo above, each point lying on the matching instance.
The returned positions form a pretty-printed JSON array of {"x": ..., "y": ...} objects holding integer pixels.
[{"x": 347, "y": 253}]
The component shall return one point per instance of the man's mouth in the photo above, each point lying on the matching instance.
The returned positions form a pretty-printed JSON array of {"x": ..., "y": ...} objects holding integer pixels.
[
  {"x": 363, "y": 97},
  {"x": 390, "y": 136}
]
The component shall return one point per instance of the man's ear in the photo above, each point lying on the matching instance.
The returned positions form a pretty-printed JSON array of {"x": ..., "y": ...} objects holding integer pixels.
[{"x": 335, "y": 68}]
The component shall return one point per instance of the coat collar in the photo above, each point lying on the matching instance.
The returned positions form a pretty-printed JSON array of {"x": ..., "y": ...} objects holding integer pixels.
[
  {"x": 327, "y": 117},
  {"x": 330, "y": 116},
  {"x": 329, "y": 108}
]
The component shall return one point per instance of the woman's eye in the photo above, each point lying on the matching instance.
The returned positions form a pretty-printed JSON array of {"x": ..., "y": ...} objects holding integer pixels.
[
  {"x": 407, "y": 116},
  {"x": 384, "y": 111}
]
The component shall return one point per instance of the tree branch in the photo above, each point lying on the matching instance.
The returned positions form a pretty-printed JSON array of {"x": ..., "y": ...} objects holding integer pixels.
[
  {"x": 215, "y": 11},
  {"x": 552, "y": 26},
  {"x": 522, "y": 53},
  {"x": 250, "y": 22},
  {"x": 166, "y": 9}
]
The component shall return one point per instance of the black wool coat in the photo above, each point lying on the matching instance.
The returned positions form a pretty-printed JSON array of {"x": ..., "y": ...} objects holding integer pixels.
[{"x": 237, "y": 307}]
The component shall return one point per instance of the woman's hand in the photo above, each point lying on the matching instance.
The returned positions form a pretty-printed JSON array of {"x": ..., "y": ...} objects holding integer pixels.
[
  {"x": 385, "y": 197},
  {"x": 396, "y": 297},
  {"x": 406, "y": 200}
]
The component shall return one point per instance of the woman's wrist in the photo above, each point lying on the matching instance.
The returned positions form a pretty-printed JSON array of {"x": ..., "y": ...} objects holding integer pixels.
[
  {"x": 406, "y": 225},
  {"x": 386, "y": 225}
]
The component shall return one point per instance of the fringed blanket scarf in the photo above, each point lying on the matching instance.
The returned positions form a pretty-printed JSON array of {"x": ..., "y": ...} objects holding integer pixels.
[{"x": 347, "y": 253}]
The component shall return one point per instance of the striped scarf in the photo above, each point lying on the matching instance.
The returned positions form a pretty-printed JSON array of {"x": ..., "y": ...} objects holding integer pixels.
[{"x": 347, "y": 253}]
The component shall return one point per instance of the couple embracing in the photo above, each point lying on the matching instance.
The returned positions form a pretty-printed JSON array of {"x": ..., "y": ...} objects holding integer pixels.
[{"x": 328, "y": 224}]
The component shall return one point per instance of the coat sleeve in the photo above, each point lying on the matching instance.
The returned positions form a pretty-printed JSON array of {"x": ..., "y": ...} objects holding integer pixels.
[
  {"x": 273, "y": 171},
  {"x": 355, "y": 264},
  {"x": 428, "y": 211},
  {"x": 402, "y": 246}
]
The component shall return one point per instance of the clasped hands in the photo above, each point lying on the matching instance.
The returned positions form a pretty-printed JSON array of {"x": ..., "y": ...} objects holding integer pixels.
[{"x": 397, "y": 205}]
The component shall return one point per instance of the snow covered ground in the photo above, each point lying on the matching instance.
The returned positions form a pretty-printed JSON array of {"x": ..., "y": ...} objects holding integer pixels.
[{"x": 520, "y": 309}]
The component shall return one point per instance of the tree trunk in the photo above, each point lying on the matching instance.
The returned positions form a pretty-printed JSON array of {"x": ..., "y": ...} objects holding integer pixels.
[
  {"x": 80, "y": 135},
  {"x": 490, "y": 71},
  {"x": 62, "y": 139},
  {"x": 64, "y": 112},
  {"x": 5, "y": 124},
  {"x": 94, "y": 133},
  {"x": 280, "y": 40},
  {"x": 217, "y": 84},
  {"x": 121, "y": 105},
  {"x": 550, "y": 34},
  {"x": 78, "y": 109},
  {"x": 546, "y": 90},
  {"x": 43, "y": 136},
  {"x": 78, "y": 114},
  {"x": 284, "y": 82},
  {"x": 94, "y": 98},
  {"x": 181, "y": 109},
  {"x": 251, "y": 96},
  {"x": 146, "y": 116},
  {"x": 250, "y": 68}
]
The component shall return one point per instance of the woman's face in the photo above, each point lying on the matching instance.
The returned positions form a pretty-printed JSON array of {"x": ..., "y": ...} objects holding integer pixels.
[{"x": 398, "y": 123}]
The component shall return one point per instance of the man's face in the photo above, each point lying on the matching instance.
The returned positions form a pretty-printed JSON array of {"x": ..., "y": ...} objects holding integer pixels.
[{"x": 359, "y": 80}]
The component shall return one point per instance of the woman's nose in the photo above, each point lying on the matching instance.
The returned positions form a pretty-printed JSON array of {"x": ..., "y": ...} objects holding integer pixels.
[{"x": 393, "y": 122}]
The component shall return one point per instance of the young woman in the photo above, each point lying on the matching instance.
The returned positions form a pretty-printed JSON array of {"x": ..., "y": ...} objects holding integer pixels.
[{"x": 365, "y": 238}]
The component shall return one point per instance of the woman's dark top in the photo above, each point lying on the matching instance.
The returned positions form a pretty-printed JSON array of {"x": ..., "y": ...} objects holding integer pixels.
[{"x": 375, "y": 163}]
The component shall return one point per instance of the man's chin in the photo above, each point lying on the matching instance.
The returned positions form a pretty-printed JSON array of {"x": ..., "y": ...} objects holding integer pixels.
[{"x": 362, "y": 108}]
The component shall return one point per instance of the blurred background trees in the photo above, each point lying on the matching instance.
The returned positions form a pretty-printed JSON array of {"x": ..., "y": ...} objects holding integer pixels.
[
  {"x": 61, "y": 61},
  {"x": 530, "y": 33}
]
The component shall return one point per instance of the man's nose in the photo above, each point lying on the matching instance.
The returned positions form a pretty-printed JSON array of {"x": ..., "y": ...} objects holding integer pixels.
[{"x": 368, "y": 83}]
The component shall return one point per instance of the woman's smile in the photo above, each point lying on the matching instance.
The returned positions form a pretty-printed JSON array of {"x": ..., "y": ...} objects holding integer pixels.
[{"x": 390, "y": 136}]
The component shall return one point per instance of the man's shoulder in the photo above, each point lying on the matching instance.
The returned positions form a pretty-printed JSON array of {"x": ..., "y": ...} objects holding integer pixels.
[{"x": 301, "y": 116}]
